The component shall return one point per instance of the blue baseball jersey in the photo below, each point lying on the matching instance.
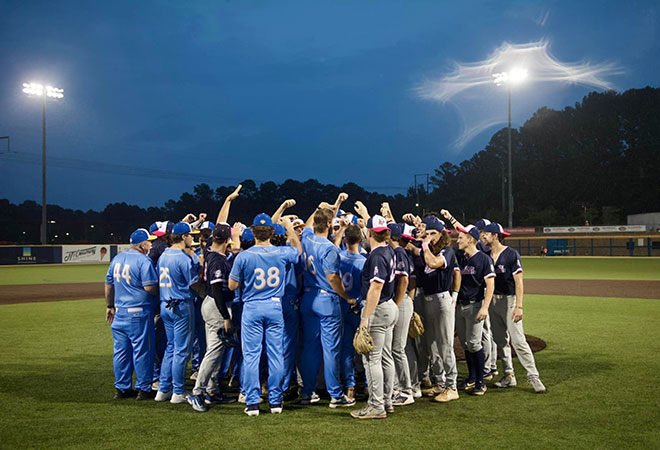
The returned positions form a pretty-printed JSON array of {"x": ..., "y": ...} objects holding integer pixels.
[
  {"x": 262, "y": 271},
  {"x": 321, "y": 259},
  {"x": 350, "y": 269},
  {"x": 293, "y": 272},
  {"x": 129, "y": 273},
  {"x": 379, "y": 267},
  {"x": 176, "y": 273},
  {"x": 507, "y": 265},
  {"x": 434, "y": 281},
  {"x": 474, "y": 271}
]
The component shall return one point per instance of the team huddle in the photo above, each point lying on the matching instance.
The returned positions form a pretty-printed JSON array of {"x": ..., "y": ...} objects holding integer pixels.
[{"x": 271, "y": 304}]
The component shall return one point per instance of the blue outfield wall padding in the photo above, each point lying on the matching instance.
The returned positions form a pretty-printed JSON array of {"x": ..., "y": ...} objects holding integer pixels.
[{"x": 25, "y": 255}]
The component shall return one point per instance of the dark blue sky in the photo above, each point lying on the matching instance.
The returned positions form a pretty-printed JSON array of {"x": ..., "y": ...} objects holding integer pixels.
[{"x": 160, "y": 96}]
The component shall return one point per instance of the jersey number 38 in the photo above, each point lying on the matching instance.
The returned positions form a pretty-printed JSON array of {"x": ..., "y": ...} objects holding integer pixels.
[{"x": 270, "y": 278}]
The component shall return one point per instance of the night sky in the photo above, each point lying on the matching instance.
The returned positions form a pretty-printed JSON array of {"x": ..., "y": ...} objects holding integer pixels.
[{"x": 160, "y": 96}]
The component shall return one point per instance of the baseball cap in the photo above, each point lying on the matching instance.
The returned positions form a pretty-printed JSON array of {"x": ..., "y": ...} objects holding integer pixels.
[
  {"x": 247, "y": 235},
  {"x": 396, "y": 229},
  {"x": 335, "y": 222},
  {"x": 183, "y": 228},
  {"x": 279, "y": 230},
  {"x": 494, "y": 227},
  {"x": 352, "y": 218},
  {"x": 471, "y": 230},
  {"x": 408, "y": 231},
  {"x": 161, "y": 228},
  {"x": 263, "y": 219},
  {"x": 222, "y": 232},
  {"x": 377, "y": 223},
  {"x": 433, "y": 223},
  {"x": 341, "y": 212},
  {"x": 208, "y": 225},
  {"x": 298, "y": 223},
  {"x": 140, "y": 235},
  {"x": 481, "y": 224}
]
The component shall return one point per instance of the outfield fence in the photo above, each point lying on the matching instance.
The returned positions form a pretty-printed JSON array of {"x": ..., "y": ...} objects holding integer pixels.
[{"x": 587, "y": 245}]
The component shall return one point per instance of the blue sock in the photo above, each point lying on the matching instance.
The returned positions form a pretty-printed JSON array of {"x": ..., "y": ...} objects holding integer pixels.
[
  {"x": 479, "y": 358},
  {"x": 470, "y": 363}
]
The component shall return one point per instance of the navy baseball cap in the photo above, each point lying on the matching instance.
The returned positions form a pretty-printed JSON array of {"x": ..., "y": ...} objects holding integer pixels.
[
  {"x": 161, "y": 228},
  {"x": 396, "y": 229},
  {"x": 377, "y": 223},
  {"x": 263, "y": 220},
  {"x": 183, "y": 228},
  {"x": 208, "y": 225},
  {"x": 471, "y": 230},
  {"x": 140, "y": 235},
  {"x": 247, "y": 235},
  {"x": 222, "y": 232},
  {"x": 481, "y": 224},
  {"x": 494, "y": 227},
  {"x": 433, "y": 223},
  {"x": 279, "y": 230}
]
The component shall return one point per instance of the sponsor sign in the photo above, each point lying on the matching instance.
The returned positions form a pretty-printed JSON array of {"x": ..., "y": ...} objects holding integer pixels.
[
  {"x": 123, "y": 248},
  {"x": 603, "y": 229},
  {"x": 521, "y": 230},
  {"x": 85, "y": 253},
  {"x": 27, "y": 257}
]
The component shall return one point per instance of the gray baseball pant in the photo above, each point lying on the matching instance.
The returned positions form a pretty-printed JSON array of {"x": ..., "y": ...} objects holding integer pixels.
[
  {"x": 399, "y": 340},
  {"x": 501, "y": 312},
  {"x": 378, "y": 363},
  {"x": 469, "y": 329},
  {"x": 207, "y": 378},
  {"x": 489, "y": 346},
  {"x": 441, "y": 311}
]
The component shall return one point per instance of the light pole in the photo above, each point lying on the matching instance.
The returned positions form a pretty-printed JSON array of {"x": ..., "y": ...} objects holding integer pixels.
[
  {"x": 38, "y": 90},
  {"x": 511, "y": 77}
]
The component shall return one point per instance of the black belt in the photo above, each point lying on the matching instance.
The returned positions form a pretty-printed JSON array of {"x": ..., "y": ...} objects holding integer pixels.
[{"x": 464, "y": 302}]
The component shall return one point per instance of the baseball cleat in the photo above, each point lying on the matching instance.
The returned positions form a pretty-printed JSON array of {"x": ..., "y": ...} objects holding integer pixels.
[
  {"x": 341, "y": 402},
  {"x": 154, "y": 385},
  {"x": 163, "y": 396},
  {"x": 179, "y": 398},
  {"x": 197, "y": 403},
  {"x": 402, "y": 400},
  {"x": 433, "y": 391},
  {"x": 389, "y": 408},
  {"x": 276, "y": 409},
  {"x": 368, "y": 412},
  {"x": 350, "y": 393},
  {"x": 252, "y": 410},
  {"x": 446, "y": 396},
  {"x": 308, "y": 399},
  {"x": 479, "y": 390},
  {"x": 466, "y": 385},
  {"x": 426, "y": 383},
  {"x": 494, "y": 372},
  {"x": 128, "y": 393},
  {"x": 508, "y": 380},
  {"x": 417, "y": 393},
  {"x": 218, "y": 399},
  {"x": 488, "y": 376},
  {"x": 145, "y": 395},
  {"x": 539, "y": 388}
]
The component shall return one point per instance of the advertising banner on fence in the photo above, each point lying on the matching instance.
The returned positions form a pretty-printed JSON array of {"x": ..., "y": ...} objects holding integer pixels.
[
  {"x": 521, "y": 230},
  {"x": 123, "y": 248},
  {"x": 85, "y": 253},
  {"x": 603, "y": 229},
  {"x": 11, "y": 255}
]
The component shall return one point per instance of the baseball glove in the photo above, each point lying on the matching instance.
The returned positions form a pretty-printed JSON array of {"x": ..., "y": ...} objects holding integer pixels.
[
  {"x": 416, "y": 328},
  {"x": 362, "y": 341}
]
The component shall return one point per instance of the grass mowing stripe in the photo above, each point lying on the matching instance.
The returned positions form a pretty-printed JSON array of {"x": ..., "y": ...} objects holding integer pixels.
[
  {"x": 57, "y": 273},
  {"x": 592, "y": 268},
  {"x": 57, "y": 365}
]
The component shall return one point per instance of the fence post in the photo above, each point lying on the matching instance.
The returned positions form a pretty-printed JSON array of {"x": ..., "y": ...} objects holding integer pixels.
[{"x": 631, "y": 247}]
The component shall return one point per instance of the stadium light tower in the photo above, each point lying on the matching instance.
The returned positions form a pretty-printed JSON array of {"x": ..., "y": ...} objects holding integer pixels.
[
  {"x": 38, "y": 90},
  {"x": 514, "y": 76}
]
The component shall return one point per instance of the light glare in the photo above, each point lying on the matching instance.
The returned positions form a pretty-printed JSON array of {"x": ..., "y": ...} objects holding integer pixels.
[{"x": 38, "y": 90}]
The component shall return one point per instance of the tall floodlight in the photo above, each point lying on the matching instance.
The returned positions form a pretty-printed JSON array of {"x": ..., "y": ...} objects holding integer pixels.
[
  {"x": 38, "y": 90},
  {"x": 510, "y": 78}
]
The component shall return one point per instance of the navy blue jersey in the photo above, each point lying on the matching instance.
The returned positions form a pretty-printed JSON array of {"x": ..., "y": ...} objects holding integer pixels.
[
  {"x": 177, "y": 272},
  {"x": 379, "y": 267},
  {"x": 157, "y": 249},
  {"x": 129, "y": 272},
  {"x": 216, "y": 270},
  {"x": 483, "y": 247},
  {"x": 507, "y": 265},
  {"x": 474, "y": 271},
  {"x": 403, "y": 266},
  {"x": 434, "y": 281}
]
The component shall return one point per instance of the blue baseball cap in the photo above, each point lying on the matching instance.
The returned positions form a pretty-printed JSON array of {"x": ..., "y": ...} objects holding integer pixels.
[
  {"x": 140, "y": 235},
  {"x": 396, "y": 229},
  {"x": 481, "y": 224},
  {"x": 263, "y": 220},
  {"x": 247, "y": 235},
  {"x": 433, "y": 223},
  {"x": 279, "y": 230},
  {"x": 183, "y": 228},
  {"x": 208, "y": 225},
  {"x": 471, "y": 230},
  {"x": 494, "y": 227},
  {"x": 341, "y": 212}
]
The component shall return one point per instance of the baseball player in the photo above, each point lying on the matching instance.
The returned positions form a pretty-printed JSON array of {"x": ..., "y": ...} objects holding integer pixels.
[
  {"x": 474, "y": 297},
  {"x": 199, "y": 334},
  {"x": 506, "y": 309},
  {"x": 178, "y": 269},
  {"x": 321, "y": 314},
  {"x": 379, "y": 316},
  {"x": 130, "y": 286},
  {"x": 260, "y": 271}
]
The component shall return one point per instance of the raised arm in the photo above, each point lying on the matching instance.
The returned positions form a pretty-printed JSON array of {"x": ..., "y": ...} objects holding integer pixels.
[
  {"x": 283, "y": 207},
  {"x": 292, "y": 235},
  {"x": 454, "y": 223},
  {"x": 361, "y": 210},
  {"x": 223, "y": 215}
]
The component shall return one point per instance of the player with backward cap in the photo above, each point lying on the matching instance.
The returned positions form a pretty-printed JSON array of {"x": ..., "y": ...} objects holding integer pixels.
[
  {"x": 477, "y": 273},
  {"x": 130, "y": 286},
  {"x": 320, "y": 308},
  {"x": 506, "y": 309},
  {"x": 178, "y": 269},
  {"x": 260, "y": 272}
]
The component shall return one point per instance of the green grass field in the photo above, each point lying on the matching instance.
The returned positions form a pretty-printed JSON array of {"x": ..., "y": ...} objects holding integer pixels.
[{"x": 551, "y": 267}]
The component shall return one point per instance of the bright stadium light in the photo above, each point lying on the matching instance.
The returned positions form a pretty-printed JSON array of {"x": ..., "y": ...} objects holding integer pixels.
[
  {"x": 513, "y": 76},
  {"x": 38, "y": 90}
]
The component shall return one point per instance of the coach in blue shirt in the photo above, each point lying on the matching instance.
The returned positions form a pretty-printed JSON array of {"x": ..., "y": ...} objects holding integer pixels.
[{"x": 130, "y": 285}]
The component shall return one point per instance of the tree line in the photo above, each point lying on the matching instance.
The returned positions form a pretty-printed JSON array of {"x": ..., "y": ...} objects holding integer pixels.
[{"x": 598, "y": 161}]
